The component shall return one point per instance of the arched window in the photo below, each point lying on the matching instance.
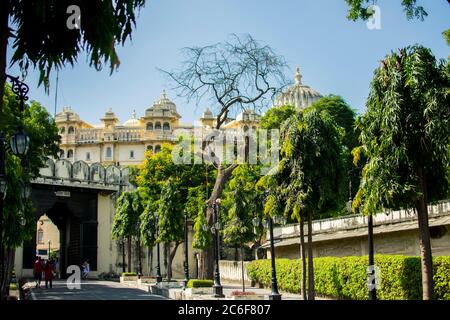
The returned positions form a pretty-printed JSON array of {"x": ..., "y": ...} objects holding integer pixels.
[
  {"x": 150, "y": 126},
  {"x": 157, "y": 148},
  {"x": 40, "y": 236},
  {"x": 166, "y": 126},
  {"x": 254, "y": 128},
  {"x": 61, "y": 154},
  {"x": 245, "y": 128},
  {"x": 108, "y": 152},
  {"x": 62, "y": 130},
  {"x": 70, "y": 153},
  {"x": 131, "y": 154},
  {"x": 88, "y": 156},
  {"x": 71, "y": 130},
  {"x": 149, "y": 147},
  {"x": 158, "y": 126}
]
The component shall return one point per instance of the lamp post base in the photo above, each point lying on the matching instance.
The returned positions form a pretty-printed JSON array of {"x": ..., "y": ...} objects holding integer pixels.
[
  {"x": 218, "y": 291},
  {"x": 275, "y": 296},
  {"x": 158, "y": 279}
]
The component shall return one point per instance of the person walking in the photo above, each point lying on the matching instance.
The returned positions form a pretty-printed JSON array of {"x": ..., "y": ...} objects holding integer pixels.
[
  {"x": 48, "y": 274},
  {"x": 37, "y": 271},
  {"x": 86, "y": 269}
]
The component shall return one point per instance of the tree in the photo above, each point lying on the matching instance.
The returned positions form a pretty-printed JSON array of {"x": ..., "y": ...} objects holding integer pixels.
[
  {"x": 237, "y": 74},
  {"x": 129, "y": 207},
  {"x": 191, "y": 182},
  {"x": 170, "y": 220},
  {"x": 404, "y": 134},
  {"x": 43, "y": 40},
  {"x": 345, "y": 118},
  {"x": 361, "y": 9},
  {"x": 18, "y": 212},
  {"x": 240, "y": 206},
  {"x": 310, "y": 175}
]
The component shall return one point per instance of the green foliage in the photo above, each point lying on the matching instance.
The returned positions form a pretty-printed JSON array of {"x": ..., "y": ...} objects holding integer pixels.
[
  {"x": 42, "y": 39},
  {"x": 311, "y": 173},
  {"x": 18, "y": 213},
  {"x": 346, "y": 278},
  {"x": 446, "y": 35},
  {"x": 154, "y": 173},
  {"x": 170, "y": 215},
  {"x": 195, "y": 206},
  {"x": 359, "y": 9},
  {"x": 200, "y": 283},
  {"x": 275, "y": 116},
  {"x": 129, "y": 207},
  {"x": 129, "y": 274},
  {"x": 241, "y": 203},
  {"x": 405, "y": 131}
]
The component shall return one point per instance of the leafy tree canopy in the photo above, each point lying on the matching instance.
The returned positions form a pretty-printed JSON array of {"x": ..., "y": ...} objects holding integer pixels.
[
  {"x": 43, "y": 40},
  {"x": 360, "y": 9},
  {"x": 405, "y": 132}
]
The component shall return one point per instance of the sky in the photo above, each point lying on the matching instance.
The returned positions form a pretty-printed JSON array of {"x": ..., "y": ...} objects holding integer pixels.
[{"x": 336, "y": 56}]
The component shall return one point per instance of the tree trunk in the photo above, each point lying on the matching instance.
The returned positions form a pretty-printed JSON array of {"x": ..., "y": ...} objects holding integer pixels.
[
  {"x": 311, "y": 291},
  {"x": 425, "y": 241},
  {"x": 236, "y": 253},
  {"x": 242, "y": 268},
  {"x": 303, "y": 257},
  {"x": 9, "y": 265},
  {"x": 129, "y": 253},
  {"x": 149, "y": 261},
  {"x": 170, "y": 257},
  {"x": 207, "y": 256}
]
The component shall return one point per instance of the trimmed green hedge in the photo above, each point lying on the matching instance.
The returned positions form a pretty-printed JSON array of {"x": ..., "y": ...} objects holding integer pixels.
[
  {"x": 346, "y": 278},
  {"x": 129, "y": 274},
  {"x": 200, "y": 283}
]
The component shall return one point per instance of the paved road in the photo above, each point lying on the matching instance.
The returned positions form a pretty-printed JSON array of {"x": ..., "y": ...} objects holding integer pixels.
[{"x": 92, "y": 290}]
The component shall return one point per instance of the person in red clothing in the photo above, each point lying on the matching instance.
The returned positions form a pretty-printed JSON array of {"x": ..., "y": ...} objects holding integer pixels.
[
  {"x": 37, "y": 271},
  {"x": 48, "y": 274}
]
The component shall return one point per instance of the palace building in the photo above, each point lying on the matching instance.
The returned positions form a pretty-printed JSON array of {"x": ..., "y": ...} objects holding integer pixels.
[{"x": 75, "y": 195}]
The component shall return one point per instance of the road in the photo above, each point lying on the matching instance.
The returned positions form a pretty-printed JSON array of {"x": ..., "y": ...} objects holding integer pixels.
[{"x": 91, "y": 290}]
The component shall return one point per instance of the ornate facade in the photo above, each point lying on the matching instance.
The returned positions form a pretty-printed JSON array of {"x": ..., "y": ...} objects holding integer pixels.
[{"x": 111, "y": 142}]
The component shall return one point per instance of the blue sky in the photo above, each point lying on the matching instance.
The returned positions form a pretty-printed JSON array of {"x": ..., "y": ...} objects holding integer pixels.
[{"x": 336, "y": 55}]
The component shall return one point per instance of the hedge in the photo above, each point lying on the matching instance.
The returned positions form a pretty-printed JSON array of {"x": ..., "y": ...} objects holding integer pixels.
[
  {"x": 200, "y": 283},
  {"x": 346, "y": 278},
  {"x": 129, "y": 274}
]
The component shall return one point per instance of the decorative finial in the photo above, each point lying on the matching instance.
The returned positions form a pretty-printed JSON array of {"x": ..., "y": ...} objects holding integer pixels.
[
  {"x": 298, "y": 77},
  {"x": 164, "y": 95},
  {"x": 133, "y": 114}
]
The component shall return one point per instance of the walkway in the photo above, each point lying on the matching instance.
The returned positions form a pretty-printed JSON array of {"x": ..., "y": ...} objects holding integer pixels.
[{"x": 91, "y": 290}]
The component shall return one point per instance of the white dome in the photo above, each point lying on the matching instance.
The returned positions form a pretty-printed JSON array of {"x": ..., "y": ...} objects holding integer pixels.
[
  {"x": 298, "y": 95},
  {"x": 132, "y": 122}
]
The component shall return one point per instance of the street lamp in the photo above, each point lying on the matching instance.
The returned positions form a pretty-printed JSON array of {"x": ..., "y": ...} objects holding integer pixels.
[
  {"x": 371, "y": 267},
  {"x": 49, "y": 243},
  {"x": 186, "y": 261},
  {"x": 218, "y": 289},
  {"x": 19, "y": 140},
  {"x": 158, "y": 265},
  {"x": 268, "y": 224}
]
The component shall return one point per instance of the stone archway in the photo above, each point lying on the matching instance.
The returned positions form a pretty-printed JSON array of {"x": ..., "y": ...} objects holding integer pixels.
[{"x": 74, "y": 211}]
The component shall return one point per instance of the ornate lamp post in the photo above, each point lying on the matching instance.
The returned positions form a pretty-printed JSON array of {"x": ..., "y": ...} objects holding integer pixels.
[
  {"x": 218, "y": 289},
  {"x": 19, "y": 144},
  {"x": 186, "y": 256},
  {"x": 371, "y": 267},
  {"x": 158, "y": 265},
  {"x": 268, "y": 224}
]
